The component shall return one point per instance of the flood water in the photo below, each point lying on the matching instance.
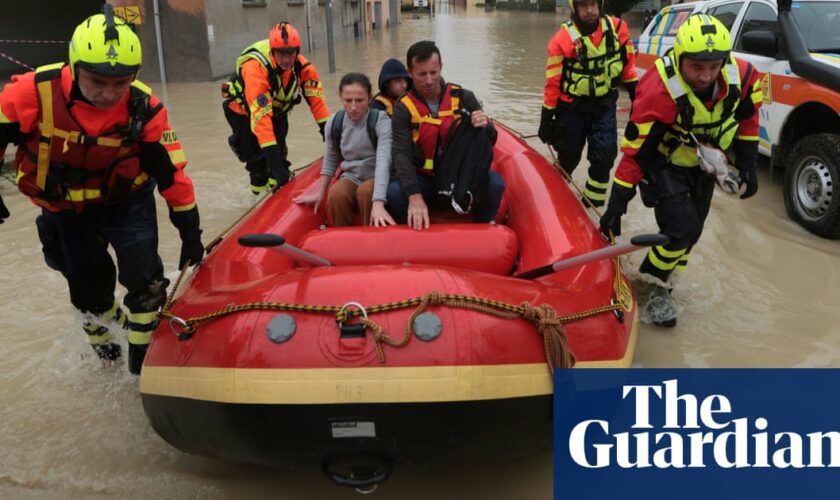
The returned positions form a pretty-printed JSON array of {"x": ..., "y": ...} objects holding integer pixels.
[{"x": 758, "y": 292}]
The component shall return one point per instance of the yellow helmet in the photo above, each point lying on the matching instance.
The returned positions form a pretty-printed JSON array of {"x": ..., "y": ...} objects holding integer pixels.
[
  {"x": 106, "y": 45},
  {"x": 703, "y": 37}
]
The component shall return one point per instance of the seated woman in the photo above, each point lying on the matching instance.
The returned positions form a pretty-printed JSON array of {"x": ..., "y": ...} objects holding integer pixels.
[{"x": 360, "y": 139}]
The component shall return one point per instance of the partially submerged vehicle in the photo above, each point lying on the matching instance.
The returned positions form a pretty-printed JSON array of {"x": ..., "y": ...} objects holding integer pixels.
[{"x": 406, "y": 347}]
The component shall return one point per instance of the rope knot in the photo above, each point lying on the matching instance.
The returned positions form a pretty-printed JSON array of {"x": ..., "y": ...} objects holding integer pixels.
[
  {"x": 541, "y": 316},
  {"x": 433, "y": 298},
  {"x": 550, "y": 327}
]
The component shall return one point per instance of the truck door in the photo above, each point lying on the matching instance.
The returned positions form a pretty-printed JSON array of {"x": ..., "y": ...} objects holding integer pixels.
[{"x": 760, "y": 16}]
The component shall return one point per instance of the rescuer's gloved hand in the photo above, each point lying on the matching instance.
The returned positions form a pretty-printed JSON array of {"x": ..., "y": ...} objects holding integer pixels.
[
  {"x": 546, "y": 131},
  {"x": 631, "y": 90},
  {"x": 619, "y": 199},
  {"x": 278, "y": 167},
  {"x": 748, "y": 178},
  {"x": 321, "y": 129},
  {"x": 188, "y": 225}
]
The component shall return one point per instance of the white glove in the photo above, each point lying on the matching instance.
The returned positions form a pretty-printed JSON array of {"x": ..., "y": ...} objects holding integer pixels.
[{"x": 714, "y": 162}]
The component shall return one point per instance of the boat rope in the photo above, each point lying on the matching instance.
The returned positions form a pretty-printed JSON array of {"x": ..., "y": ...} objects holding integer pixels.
[{"x": 545, "y": 319}]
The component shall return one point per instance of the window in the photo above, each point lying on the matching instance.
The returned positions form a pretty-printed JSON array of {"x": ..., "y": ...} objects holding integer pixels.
[
  {"x": 819, "y": 23},
  {"x": 668, "y": 23},
  {"x": 727, "y": 13},
  {"x": 759, "y": 17},
  {"x": 679, "y": 18},
  {"x": 253, "y": 3}
]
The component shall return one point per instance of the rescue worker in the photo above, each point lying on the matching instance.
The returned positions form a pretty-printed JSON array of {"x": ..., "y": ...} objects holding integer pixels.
[
  {"x": 271, "y": 78},
  {"x": 94, "y": 144},
  {"x": 696, "y": 88},
  {"x": 421, "y": 122},
  {"x": 587, "y": 58},
  {"x": 394, "y": 81}
]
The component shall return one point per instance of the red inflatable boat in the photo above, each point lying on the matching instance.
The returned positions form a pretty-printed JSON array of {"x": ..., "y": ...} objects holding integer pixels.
[{"x": 411, "y": 347}]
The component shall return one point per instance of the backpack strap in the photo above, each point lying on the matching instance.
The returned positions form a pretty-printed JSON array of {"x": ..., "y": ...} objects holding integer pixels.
[
  {"x": 338, "y": 126},
  {"x": 373, "y": 119},
  {"x": 335, "y": 130}
]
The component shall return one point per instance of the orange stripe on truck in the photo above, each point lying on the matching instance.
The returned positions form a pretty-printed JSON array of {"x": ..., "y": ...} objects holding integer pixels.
[{"x": 794, "y": 91}]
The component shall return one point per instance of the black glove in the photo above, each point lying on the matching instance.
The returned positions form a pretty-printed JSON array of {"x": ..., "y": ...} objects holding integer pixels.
[
  {"x": 546, "y": 131},
  {"x": 321, "y": 129},
  {"x": 631, "y": 90},
  {"x": 749, "y": 178},
  {"x": 619, "y": 199},
  {"x": 4, "y": 212},
  {"x": 189, "y": 228},
  {"x": 746, "y": 155},
  {"x": 278, "y": 167}
]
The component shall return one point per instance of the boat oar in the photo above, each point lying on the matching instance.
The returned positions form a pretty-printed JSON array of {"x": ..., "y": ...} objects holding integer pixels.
[
  {"x": 277, "y": 242},
  {"x": 636, "y": 243}
]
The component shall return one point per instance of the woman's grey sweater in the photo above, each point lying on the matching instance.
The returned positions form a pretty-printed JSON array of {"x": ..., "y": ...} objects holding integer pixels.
[{"x": 359, "y": 161}]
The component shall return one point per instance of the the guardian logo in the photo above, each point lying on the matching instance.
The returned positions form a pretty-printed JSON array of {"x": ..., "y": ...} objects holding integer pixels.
[{"x": 695, "y": 432}]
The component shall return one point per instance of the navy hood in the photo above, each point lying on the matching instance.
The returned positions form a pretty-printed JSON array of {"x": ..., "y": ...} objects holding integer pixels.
[{"x": 392, "y": 68}]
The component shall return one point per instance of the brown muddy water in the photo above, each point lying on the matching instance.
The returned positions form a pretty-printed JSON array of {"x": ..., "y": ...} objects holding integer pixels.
[{"x": 758, "y": 292}]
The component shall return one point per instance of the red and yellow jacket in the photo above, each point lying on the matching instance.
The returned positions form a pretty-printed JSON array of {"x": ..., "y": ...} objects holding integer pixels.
[
  {"x": 655, "y": 115},
  {"x": 568, "y": 52},
  {"x": 264, "y": 100},
  {"x": 89, "y": 145}
]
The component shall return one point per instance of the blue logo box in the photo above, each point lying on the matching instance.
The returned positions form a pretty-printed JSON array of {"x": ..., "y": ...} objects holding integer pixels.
[{"x": 697, "y": 434}]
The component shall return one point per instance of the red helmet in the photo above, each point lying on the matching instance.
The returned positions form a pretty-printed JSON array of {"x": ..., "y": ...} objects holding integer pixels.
[{"x": 284, "y": 37}]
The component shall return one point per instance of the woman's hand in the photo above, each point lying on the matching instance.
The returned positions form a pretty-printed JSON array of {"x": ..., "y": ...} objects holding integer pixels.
[
  {"x": 379, "y": 216},
  {"x": 311, "y": 199},
  {"x": 314, "y": 196}
]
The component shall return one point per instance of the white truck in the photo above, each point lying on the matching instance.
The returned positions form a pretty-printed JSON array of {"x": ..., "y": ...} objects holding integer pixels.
[{"x": 800, "y": 115}]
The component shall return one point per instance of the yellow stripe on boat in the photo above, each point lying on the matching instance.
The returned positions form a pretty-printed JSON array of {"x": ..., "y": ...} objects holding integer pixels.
[{"x": 417, "y": 384}]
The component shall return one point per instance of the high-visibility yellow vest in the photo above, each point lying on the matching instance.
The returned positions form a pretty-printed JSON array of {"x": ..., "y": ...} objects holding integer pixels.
[
  {"x": 595, "y": 71},
  {"x": 716, "y": 127}
]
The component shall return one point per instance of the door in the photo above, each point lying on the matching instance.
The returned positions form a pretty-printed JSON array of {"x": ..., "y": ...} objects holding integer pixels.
[{"x": 762, "y": 17}]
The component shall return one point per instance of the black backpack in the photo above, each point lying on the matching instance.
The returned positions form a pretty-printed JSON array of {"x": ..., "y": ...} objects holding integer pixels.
[
  {"x": 338, "y": 124},
  {"x": 462, "y": 171}
]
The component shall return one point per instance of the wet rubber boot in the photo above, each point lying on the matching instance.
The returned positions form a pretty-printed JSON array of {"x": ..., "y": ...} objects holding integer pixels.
[
  {"x": 661, "y": 308},
  {"x": 100, "y": 337},
  {"x": 136, "y": 355},
  {"x": 108, "y": 351}
]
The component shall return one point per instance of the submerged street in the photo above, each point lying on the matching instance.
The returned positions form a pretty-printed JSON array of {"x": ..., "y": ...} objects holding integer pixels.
[{"x": 759, "y": 291}]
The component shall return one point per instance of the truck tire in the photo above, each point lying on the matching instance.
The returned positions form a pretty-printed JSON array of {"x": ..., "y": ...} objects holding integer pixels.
[{"x": 812, "y": 184}]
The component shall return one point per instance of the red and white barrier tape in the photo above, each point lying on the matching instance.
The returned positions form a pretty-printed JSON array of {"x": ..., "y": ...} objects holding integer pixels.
[
  {"x": 30, "y": 68},
  {"x": 33, "y": 41}
]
